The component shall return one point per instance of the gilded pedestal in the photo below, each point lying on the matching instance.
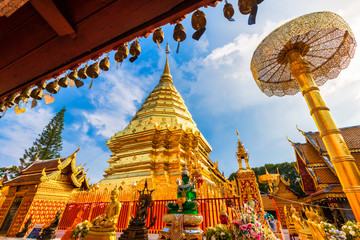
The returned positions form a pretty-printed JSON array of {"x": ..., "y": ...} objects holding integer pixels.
[{"x": 182, "y": 226}]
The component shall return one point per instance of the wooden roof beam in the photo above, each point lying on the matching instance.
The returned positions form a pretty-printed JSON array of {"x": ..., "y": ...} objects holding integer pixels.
[{"x": 51, "y": 14}]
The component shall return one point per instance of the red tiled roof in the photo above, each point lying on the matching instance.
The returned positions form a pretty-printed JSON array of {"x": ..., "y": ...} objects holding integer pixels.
[
  {"x": 38, "y": 165},
  {"x": 351, "y": 136},
  {"x": 35, "y": 177},
  {"x": 310, "y": 153},
  {"x": 325, "y": 175}
]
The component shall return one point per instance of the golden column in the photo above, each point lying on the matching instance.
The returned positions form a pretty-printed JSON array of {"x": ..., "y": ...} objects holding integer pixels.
[{"x": 299, "y": 56}]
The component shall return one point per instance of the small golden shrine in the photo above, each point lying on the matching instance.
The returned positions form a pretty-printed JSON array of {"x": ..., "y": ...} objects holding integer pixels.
[
  {"x": 280, "y": 194},
  {"x": 40, "y": 191},
  {"x": 155, "y": 144},
  {"x": 318, "y": 176},
  {"x": 246, "y": 179}
]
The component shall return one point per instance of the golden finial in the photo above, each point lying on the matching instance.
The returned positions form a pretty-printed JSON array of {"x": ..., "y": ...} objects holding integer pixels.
[
  {"x": 37, "y": 156},
  {"x": 266, "y": 171},
  {"x": 59, "y": 161},
  {"x": 237, "y": 133},
  {"x": 166, "y": 76},
  {"x": 43, "y": 173},
  {"x": 292, "y": 143},
  {"x": 300, "y": 130}
]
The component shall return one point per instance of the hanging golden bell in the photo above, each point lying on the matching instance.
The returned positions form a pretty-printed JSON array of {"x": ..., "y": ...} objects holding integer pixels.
[
  {"x": 105, "y": 64},
  {"x": 135, "y": 50},
  {"x": 245, "y": 6},
  {"x": 198, "y": 22},
  {"x": 179, "y": 34},
  {"x": 2, "y": 106},
  {"x": 229, "y": 11},
  {"x": 64, "y": 82},
  {"x": 73, "y": 75},
  {"x": 158, "y": 36},
  {"x": 37, "y": 93},
  {"x": 121, "y": 53},
  {"x": 17, "y": 99},
  {"x": 82, "y": 72},
  {"x": 53, "y": 87},
  {"x": 26, "y": 92},
  {"x": 93, "y": 70},
  {"x": 10, "y": 100}
]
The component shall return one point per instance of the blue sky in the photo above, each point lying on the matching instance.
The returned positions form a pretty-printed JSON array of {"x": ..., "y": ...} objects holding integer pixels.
[{"x": 213, "y": 76}]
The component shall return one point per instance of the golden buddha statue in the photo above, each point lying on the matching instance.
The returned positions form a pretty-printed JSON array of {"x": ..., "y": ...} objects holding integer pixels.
[{"x": 104, "y": 226}]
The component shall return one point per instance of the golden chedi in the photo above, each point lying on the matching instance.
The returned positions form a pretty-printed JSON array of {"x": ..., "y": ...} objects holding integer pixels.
[
  {"x": 104, "y": 226},
  {"x": 155, "y": 144}
]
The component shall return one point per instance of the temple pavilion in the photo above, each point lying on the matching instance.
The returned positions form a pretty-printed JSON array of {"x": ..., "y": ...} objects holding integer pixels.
[
  {"x": 40, "y": 190},
  {"x": 156, "y": 143},
  {"x": 318, "y": 176}
]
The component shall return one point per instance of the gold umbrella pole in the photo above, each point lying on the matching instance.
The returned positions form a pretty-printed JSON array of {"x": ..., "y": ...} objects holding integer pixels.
[{"x": 339, "y": 153}]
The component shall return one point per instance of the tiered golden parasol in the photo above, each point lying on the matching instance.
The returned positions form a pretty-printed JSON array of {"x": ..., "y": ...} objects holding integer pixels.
[{"x": 299, "y": 56}]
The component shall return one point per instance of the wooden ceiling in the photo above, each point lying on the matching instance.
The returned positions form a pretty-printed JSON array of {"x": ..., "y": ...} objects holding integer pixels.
[{"x": 44, "y": 38}]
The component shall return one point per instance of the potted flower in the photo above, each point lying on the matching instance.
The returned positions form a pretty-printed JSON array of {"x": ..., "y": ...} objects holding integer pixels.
[
  {"x": 80, "y": 230},
  {"x": 351, "y": 230}
]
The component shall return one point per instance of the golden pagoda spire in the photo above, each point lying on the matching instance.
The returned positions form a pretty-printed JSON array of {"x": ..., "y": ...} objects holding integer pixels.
[{"x": 166, "y": 76}]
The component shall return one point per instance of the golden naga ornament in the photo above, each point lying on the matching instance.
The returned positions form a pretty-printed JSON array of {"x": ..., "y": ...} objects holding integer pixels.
[
  {"x": 82, "y": 72},
  {"x": 135, "y": 50},
  {"x": 229, "y": 11},
  {"x": 198, "y": 22},
  {"x": 121, "y": 54},
  {"x": 105, "y": 64},
  {"x": 93, "y": 71},
  {"x": 53, "y": 87},
  {"x": 158, "y": 36},
  {"x": 64, "y": 82},
  {"x": 179, "y": 34}
]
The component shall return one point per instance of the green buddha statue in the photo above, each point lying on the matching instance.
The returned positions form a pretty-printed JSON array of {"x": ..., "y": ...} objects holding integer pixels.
[{"x": 186, "y": 195}]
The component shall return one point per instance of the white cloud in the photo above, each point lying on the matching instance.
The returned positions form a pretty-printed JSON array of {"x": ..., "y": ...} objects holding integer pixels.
[
  {"x": 116, "y": 100},
  {"x": 18, "y": 132}
]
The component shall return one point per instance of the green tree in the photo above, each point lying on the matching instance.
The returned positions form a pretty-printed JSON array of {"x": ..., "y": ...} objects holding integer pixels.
[
  {"x": 49, "y": 143},
  {"x": 286, "y": 170}
]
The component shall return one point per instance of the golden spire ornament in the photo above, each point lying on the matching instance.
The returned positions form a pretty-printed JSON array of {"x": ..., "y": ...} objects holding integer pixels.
[
  {"x": 228, "y": 11},
  {"x": 198, "y": 22},
  {"x": 299, "y": 56},
  {"x": 179, "y": 34},
  {"x": 158, "y": 36}
]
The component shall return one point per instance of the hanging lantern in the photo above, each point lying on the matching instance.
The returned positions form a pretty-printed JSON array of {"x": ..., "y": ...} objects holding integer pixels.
[
  {"x": 198, "y": 22},
  {"x": 93, "y": 71},
  {"x": 158, "y": 36},
  {"x": 74, "y": 77},
  {"x": 105, "y": 64},
  {"x": 64, "y": 82},
  {"x": 121, "y": 54},
  {"x": 229, "y": 11},
  {"x": 82, "y": 72},
  {"x": 10, "y": 100},
  {"x": 179, "y": 34},
  {"x": 135, "y": 50},
  {"x": 53, "y": 87},
  {"x": 249, "y": 7}
]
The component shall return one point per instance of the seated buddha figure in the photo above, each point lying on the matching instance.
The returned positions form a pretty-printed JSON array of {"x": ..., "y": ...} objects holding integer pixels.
[
  {"x": 108, "y": 220},
  {"x": 186, "y": 195}
]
